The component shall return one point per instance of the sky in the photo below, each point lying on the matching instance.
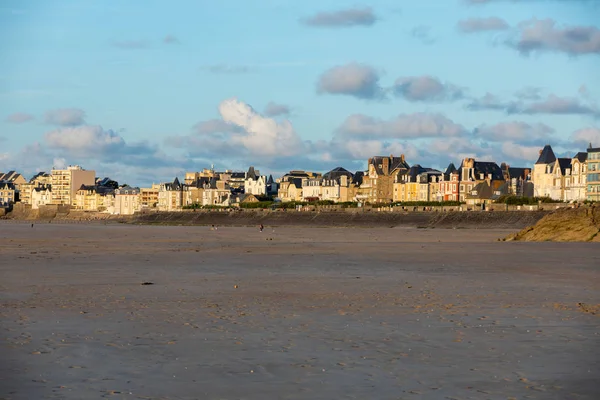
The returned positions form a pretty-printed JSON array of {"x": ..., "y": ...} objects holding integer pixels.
[{"x": 143, "y": 91}]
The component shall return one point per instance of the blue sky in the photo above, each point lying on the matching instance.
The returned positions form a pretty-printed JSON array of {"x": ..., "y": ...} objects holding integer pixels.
[{"x": 144, "y": 90}]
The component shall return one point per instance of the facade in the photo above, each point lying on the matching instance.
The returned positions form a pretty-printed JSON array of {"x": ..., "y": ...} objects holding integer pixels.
[
  {"x": 13, "y": 177},
  {"x": 290, "y": 185},
  {"x": 474, "y": 172},
  {"x": 216, "y": 193},
  {"x": 593, "y": 174},
  {"x": 339, "y": 185},
  {"x": 254, "y": 183},
  {"x": 311, "y": 189},
  {"x": 170, "y": 196},
  {"x": 543, "y": 177},
  {"x": 66, "y": 182},
  {"x": 41, "y": 196},
  {"x": 449, "y": 184},
  {"x": 41, "y": 179},
  {"x": 8, "y": 194},
  {"x": 577, "y": 188},
  {"x": 94, "y": 198},
  {"x": 412, "y": 184},
  {"x": 149, "y": 196},
  {"x": 191, "y": 177},
  {"x": 378, "y": 183},
  {"x": 127, "y": 200}
]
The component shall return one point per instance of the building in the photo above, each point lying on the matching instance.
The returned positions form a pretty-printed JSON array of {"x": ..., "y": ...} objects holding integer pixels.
[
  {"x": 170, "y": 196},
  {"x": 149, "y": 196},
  {"x": 41, "y": 179},
  {"x": 577, "y": 189},
  {"x": 449, "y": 184},
  {"x": 94, "y": 198},
  {"x": 543, "y": 177},
  {"x": 474, "y": 172},
  {"x": 216, "y": 193},
  {"x": 593, "y": 174},
  {"x": 254, "y": 183},
  {"x": 377, "y": 184},
  {"x": 290, "y": 185},
  {"x": 407, "y": 185},
  {"x": 339, "y": 185},
  {"x": 66, "y": 182},
  {"x": 127, "y": 200},
  {"x": 41, "y": 196},
  {"x": 518, "y": 180},
  {"x": 8, "y": 194},
  {"x": 13, "y": 177},
  {"x": 191, "y": 177},
  {"x": 272, "y": 187},
  {"x": 311, "y": 189}
]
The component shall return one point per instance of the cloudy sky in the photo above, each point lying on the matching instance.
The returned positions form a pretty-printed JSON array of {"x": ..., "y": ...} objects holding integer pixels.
[{"x": 142, "y": 91}]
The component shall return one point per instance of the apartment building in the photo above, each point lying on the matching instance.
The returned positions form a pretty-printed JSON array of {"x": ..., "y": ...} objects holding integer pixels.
[
  {"x": 593, "y": 174},
  {"x": 66, "y": 182}
]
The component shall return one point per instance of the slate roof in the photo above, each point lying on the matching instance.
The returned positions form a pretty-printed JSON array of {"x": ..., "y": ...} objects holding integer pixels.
[
  {"x": 358, "y": 177},
  {"x": 42, "y": 188},
  {"x": 547, "y": 156},
  {"x": 296, "y": 182},
  {"x": 564, "y": 164},
  {"x": 43, "y": 174},
  {"x": 517, "y": 172},
  {"x": 487, "y": 168},
  {"x": 581, "y": 156},
  {"x": 451, "y": 168},
  {"x": 200, "y": 182},
  {"x": 175, "y": 185},
  {"x": 10, "y": 176},
  {"x": 395, "y": 162},
  {"x": 251, "y": 174},
  {"x": 483, "y": 189},
  {"x": 270, "y": 180},
  {"x": 7, "y": 185},
  {"x": 337, "y": 173},
  {"x": 412, "y": 173}
]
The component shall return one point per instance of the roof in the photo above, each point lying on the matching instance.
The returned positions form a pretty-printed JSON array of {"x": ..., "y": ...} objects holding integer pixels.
[
  {"x": 593, "y": 150},
  {"x": 5, "y": 185},
  {"x": 518, "y": 172},
  {"x": 296, "y": 182},
  {"x": 483, "y": 191},
  {"x": 546, "y": 155},
  {"x": 394, "y": 163},
  {"x": 564, "y": 164},
  {"x": 173, "y": 186},
  {"x": 486, "y": 168},
  {"x": 10, "y": 176},
  {"x": 251, "y": 174},
  {"x": 451, "y": 168},
  {"x": 358, "y": 177},
  {"x": 413, "y": 172},
  {"x": 581, "y": 156},
  {"x": 337, "y": 173},
  {"x": 270, "y": 180}
]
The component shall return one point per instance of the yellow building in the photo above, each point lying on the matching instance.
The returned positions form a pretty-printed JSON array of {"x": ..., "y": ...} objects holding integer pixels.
[
  {"x": 149, "y": 196},
  {"x": 94, "y": 198},
  {"x": 40, "y": 179},
  {"x": 66, "y": 182}
]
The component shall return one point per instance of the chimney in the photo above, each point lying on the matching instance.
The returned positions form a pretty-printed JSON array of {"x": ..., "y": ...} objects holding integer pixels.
[{"x": 402, "y": 157}]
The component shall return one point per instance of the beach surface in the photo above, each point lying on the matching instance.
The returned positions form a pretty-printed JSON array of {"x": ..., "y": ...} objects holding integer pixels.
[{"x": 124, "y": 311}]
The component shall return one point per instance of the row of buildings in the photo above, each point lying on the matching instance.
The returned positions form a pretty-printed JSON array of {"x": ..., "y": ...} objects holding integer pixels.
[{"x": 388, "y": 179}]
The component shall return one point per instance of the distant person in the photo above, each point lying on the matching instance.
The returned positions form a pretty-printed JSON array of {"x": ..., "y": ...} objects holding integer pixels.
[
  {"x": 32, "y": 225},
  {"x": 261, "y": 227}
]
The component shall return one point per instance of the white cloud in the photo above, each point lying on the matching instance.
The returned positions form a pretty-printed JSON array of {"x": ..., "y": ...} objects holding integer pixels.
[
  {"x": 586, "y": 136},
  {"x": 515, "y": 131},
  {"x": 65, "y": 117},
  {"x": 418, "y": 125},
  {"x": 342, "y": 18},
  {"x": 262, "y": 136},
  {"x": 19, "y": 118},
  {"x": 84, "y": 139},
  {"x": 426, "y": 88},
  {"x": 354, "y": 79}
]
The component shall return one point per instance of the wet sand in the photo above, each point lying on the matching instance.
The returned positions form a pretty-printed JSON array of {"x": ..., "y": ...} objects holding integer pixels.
[{"x": 295, "y": 313}]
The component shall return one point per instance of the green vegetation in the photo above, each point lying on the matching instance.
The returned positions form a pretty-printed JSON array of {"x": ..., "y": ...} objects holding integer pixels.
[
  {"x": 523, "y": 201},
  {"x": 427, "y": 203}
]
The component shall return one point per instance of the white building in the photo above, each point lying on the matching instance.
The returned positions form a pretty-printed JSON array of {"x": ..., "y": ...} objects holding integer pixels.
[
  {"x": 543, "y": 176},
  {"x": 254, "y": 183},
  {"x": 127, "y": 200},
  {"x": 40, "y": 196}
]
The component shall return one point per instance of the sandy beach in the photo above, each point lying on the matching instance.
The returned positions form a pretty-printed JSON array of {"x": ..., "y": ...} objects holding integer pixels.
[{"x": 294, "y": 313}]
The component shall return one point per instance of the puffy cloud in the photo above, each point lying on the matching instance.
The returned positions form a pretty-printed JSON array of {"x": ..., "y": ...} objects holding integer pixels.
[
  {"x": 358, "y": 80},
  {"x": 552, "y": 104},
  {"x": 514, "y": 131},
  {"x": 558, "y": 105},
  {"x": 342, "y": 18},
  {"x": 212, "y": 126},
  {"x": 262, "y": 136},
  {"x": 520, "y": 152},
  {"x": 544, "y": 35},
  {"x": 426, "y": 88},
  {"x": 418, "y": 125},
  {"x": 488, "y": 102},
  {"x": 472, "y": 25},
  {"x": 19, "y": 118},
  {"x": 65, "y": 117},
  {"x": 583, "y": 137},
  {"x": 170, "y": 39},
  {"x": 84, "y": 139},
  {"x": 273, "y": 109}
]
